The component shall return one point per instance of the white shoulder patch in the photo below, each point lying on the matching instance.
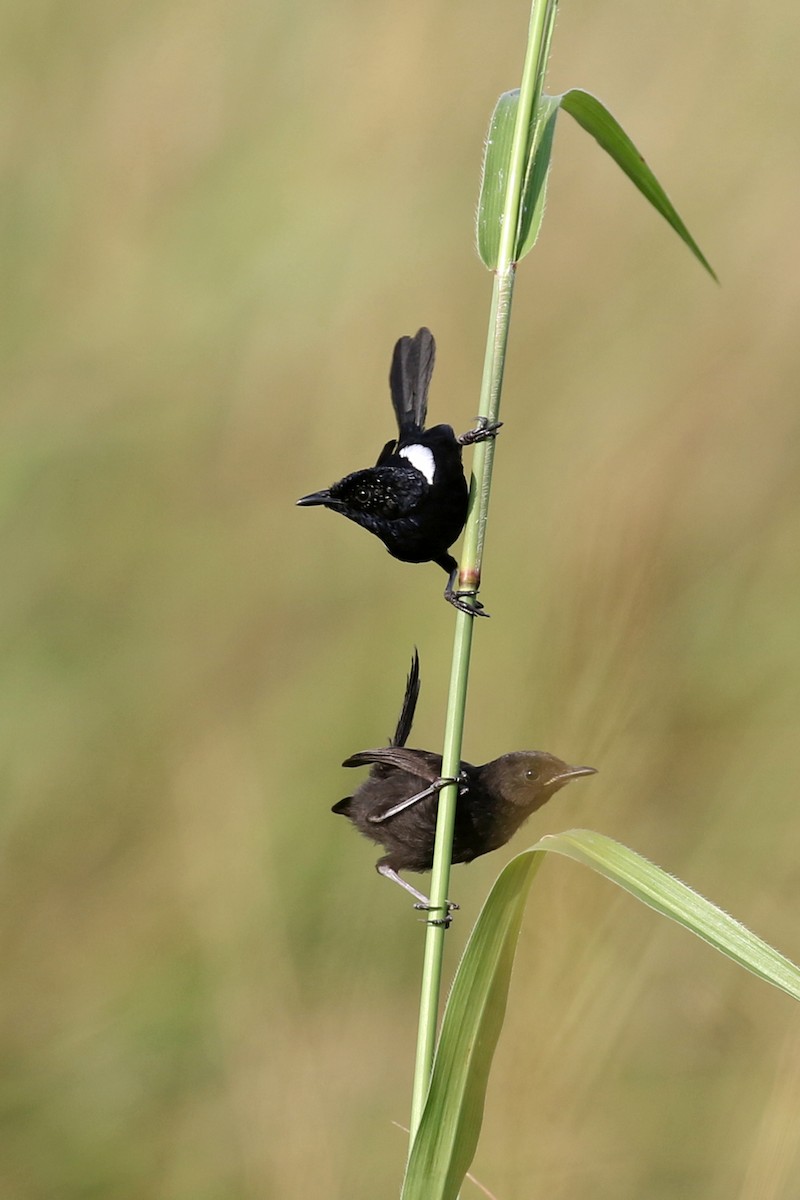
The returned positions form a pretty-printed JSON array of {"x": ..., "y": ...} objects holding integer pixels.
[{"x": 421, "y": 458}]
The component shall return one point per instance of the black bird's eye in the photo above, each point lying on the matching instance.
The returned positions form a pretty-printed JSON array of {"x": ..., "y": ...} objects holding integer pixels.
[{"x": 532, "y": 773}]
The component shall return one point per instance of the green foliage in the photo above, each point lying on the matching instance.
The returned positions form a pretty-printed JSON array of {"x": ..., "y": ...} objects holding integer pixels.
[
  {"x": 676, "y": 900},
  {"x": 592, "y": 116},
  {"x": 494, "y": 175},
  {"x": 451, "y": 1121}
]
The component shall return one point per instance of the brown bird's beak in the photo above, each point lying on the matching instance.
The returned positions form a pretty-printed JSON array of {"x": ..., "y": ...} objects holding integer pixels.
[
  {"x": 323, "y": 497},
  {"x": 574, "y": 773}
]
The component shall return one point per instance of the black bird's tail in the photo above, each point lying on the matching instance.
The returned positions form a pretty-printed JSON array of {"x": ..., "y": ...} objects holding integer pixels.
[
  {"x": 406, "y": 718},
  {"x": 409, "y": 380}
]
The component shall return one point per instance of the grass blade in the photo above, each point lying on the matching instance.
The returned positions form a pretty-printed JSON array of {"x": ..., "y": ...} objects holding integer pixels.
[
  {"x": 494, "y": 176},
  {"x": 535, "y": 189},
  {"x": 676, "y": 900},
  {"x": 448, "y": 1132},
  {"x": 451, "y": 1120},
  {"x": 592, "y": 115}
]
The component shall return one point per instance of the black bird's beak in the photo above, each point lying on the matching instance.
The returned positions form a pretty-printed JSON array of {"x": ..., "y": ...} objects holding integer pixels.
[{"x": 323, "y": 497}]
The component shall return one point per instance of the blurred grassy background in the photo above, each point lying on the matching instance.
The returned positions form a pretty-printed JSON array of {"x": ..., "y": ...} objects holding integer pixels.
[{"x": 216, "y": 219}]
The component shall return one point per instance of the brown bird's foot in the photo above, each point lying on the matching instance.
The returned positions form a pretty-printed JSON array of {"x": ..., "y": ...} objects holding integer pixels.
[
  {"x": 460, "y": 599},
  {"x": 486, "y": 429},
  {"x": 423, "y": 903},
  {"x": 436, "y": 786},
  {"x": 441, "y": 922}
]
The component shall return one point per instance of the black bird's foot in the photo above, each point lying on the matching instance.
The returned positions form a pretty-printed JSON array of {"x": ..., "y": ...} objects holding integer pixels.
[
  {"x": 459, "y": 601},
  {"x": 486, "y": 429}
]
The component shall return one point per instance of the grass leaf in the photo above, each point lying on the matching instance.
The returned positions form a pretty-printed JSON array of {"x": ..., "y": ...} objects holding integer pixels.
[
  {"x": 592, "y": 115},
  {"x": 538, "y": 168},
  {"x": 448, "y": 1133},
  {"x": 494, "y": 176},
  {"x": 676, "y": 900},
  {"x": 451, "y": 1121}
]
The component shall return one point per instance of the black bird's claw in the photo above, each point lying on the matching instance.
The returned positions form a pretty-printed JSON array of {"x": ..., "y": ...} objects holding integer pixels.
[
  {"x": 475, "y": 609},
  {"x": 486, "y": 429}
]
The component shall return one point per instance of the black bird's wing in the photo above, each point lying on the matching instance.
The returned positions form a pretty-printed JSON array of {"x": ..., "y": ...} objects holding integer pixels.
[
  {"x": 409, "y": 380},
  {"x": 422, "y": 764},
  {"x": 388, "y": 452}
]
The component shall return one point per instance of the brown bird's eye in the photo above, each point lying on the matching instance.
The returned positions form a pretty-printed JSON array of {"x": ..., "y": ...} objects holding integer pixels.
[{"x": 532, "y": 773}]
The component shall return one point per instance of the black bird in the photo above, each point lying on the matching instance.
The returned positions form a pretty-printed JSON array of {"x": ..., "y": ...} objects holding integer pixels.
[
  {"x": 415, "y": 497},
  {"x": 397, "y": 805}
]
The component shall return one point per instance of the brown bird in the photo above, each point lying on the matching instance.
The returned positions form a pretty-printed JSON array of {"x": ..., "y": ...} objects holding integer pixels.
[{"x": 397, "y": 805}]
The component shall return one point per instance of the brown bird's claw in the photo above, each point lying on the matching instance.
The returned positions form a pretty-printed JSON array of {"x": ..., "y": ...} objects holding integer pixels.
[
  {"x": 451, "y": 906},
  {"x": 486, "y": 429},
  {"x": 439, "y": 922},
  {"x": 422, "y": 904}
]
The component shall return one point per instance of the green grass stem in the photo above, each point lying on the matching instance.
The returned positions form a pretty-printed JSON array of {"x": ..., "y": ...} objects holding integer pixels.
[{"x": 539, "y": 37}]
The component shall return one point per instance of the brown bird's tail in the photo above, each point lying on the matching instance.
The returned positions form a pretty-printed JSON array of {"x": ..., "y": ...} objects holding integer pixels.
[
  {"x": 401, "y": 733},
  {"x": 406, "y": 718}
]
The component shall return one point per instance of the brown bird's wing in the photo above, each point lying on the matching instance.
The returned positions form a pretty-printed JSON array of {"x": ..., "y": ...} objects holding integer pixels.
[{"x": 421, "y": 763}]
